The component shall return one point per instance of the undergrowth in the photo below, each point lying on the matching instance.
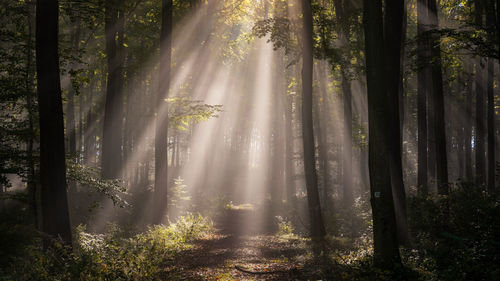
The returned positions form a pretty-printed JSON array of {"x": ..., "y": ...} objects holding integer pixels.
[{"x": 113, "y": 255}]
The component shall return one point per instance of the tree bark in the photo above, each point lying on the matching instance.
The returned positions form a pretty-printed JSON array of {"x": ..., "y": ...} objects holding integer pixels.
[
  {"x": 289, "y": 149},
  {"x": 386, "y": 250},
  {"x": 70, "y": 106},
  {"x": 31, "y": 181},
  {"x": 341, "y": 12},
  {"x": 316, "y": 219},
  {"x": 468, "y": 128},
  {"x": 112, "y": 126},
  {"x": 54, "y": 202},
  {"x": 479, "y": 82},
  {"x": 394, "y": 13},
  {"x": 161, "y": 130},
  {"x": 490, "y": 22},
  {"x": 423, "y": 84},
  {"x": 437, "y": 89}
]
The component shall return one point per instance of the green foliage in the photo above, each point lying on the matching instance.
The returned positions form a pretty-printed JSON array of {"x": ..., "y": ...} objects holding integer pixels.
[
  {"x": 89, "y": 177},
  {"x": 112, "y": 255},
  {"x": 461, "y": 244},
  {"x": 285, "y": 226},
  {"x": 178, "y": 195},
  {"x": 185, "y": 112}
]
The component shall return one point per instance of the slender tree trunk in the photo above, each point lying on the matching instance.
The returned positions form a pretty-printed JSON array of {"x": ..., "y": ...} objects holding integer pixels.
[
  {"x": 324, "y": 155},
  {"x": 89, "y": 128},
  {"x": 423, "y": 85},
  {"x": 178, "y": 155},
  {"x": 480, "y": 130},
  {"x": 161, "y": 130},
  {"x": 490, "y": 22},
  {"x": 394, "y": 13},
  {"x": 112, "y": 126},
  {"x": 386, "y": 250},
  {"x": 70, "y": 107},
  {"x": 479, "y": 136},
  {"x": 316, "y": 219},
  {"x": 348, "y": 198},
  {"x": 491, "y": 128},
  {"x": 437, "y": 89},
  {"x": 468, "y": 128},
  {"x": 32, "y": 191},
  {"x": 289, "y": 150},
  {"x": 52, "y": 159},
  {"x": 341, "y": 12}
]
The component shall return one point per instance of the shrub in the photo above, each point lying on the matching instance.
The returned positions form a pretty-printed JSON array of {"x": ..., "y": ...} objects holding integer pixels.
[{"x": 112, "y": 255}]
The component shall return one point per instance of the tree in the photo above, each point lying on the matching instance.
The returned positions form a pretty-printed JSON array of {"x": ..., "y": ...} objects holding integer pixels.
[
  {"x": 479, "y": 83},
  {"x": 490, "y": 24},
  {"x": 55, "y": 215},
  {"x": 342, "y": 11},
  {"x": 423, "y": 82},
  {"x": 394, "y": 14},
  {"x": 112, "y": 126},
  {"x": 316, "y": 219},
  {"x": 437, "y": 92},
  {"x": 386, "y": 250},
  {"x": 161, "y": 130},
  {"x": 70, "y": 107}
]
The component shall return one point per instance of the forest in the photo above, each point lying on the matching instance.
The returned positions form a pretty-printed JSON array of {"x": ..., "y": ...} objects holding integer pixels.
[{"x": 249, "y": 140}]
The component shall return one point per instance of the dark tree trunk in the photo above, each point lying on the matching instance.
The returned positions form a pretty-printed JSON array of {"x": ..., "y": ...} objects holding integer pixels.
[
  {"x": 161, "y": 130},
  {"x": 423, "y": 86},
  {"x": 55, "y": 214},
  {"x": 479, "y": 82},
  {"x": 316, "y": 219},
  {"x": 490, "y": 22},
  {"x": 386, "y": 250},
  {"x": 112, "y": 126},
  {"x": 468, "y": 127},
  {"x": 341, "y": 12},
  {"x": 31, "y": 181},
  {"x": 437, "y": 89},
  {"x": 324, "y": 158},
  {"x": 394, "y": 13},
  {"x": 479, "y": 136},
  {"x": 70, "y": 106},
  {"x": 289, "y": 150}
]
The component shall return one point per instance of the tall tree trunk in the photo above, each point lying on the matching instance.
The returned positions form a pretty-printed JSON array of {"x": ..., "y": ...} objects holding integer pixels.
[
  {"x": 437, "y": 89},
  {"x": 54, "y": 201},
  {"x": 289, "y": 148},
  {"x": 386, "y": 250},
  {"x": 490, "y": 22},
  {"x": 161, "y": 130},
  {"x": 341, "y": 12},
  {"x": 479, "y": 82},
  {"x": 468, "y": 127},
  {"x": 316, "y": 219},
  {"x": 32, "y": 191},
  {"x": 324, "y": 155},
  {"x": 423, "y": 86},
  {"x": 70, "y": 107},
  {"x": 479, "y": 136},
  {"x": 112, "y": 126},
  {"x": 394, "y": 13}
]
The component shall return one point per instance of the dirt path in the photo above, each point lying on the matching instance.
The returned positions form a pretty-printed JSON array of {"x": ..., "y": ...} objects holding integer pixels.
[{"x": 219, "y": 256}]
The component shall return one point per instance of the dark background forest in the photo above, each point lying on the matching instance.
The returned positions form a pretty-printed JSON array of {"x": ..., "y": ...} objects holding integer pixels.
[{"x": 249, "y": 140}]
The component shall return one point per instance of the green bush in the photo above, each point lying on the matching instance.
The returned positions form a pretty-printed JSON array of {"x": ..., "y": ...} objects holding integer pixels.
[
  {"x": 461, "y": 243},
  {"x": 112, "y": 255}
]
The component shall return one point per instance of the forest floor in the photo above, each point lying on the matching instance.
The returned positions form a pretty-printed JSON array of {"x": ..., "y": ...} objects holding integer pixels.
[
  {"x": 240, "y": 257},
  {"x": 231, "y": 253}
]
